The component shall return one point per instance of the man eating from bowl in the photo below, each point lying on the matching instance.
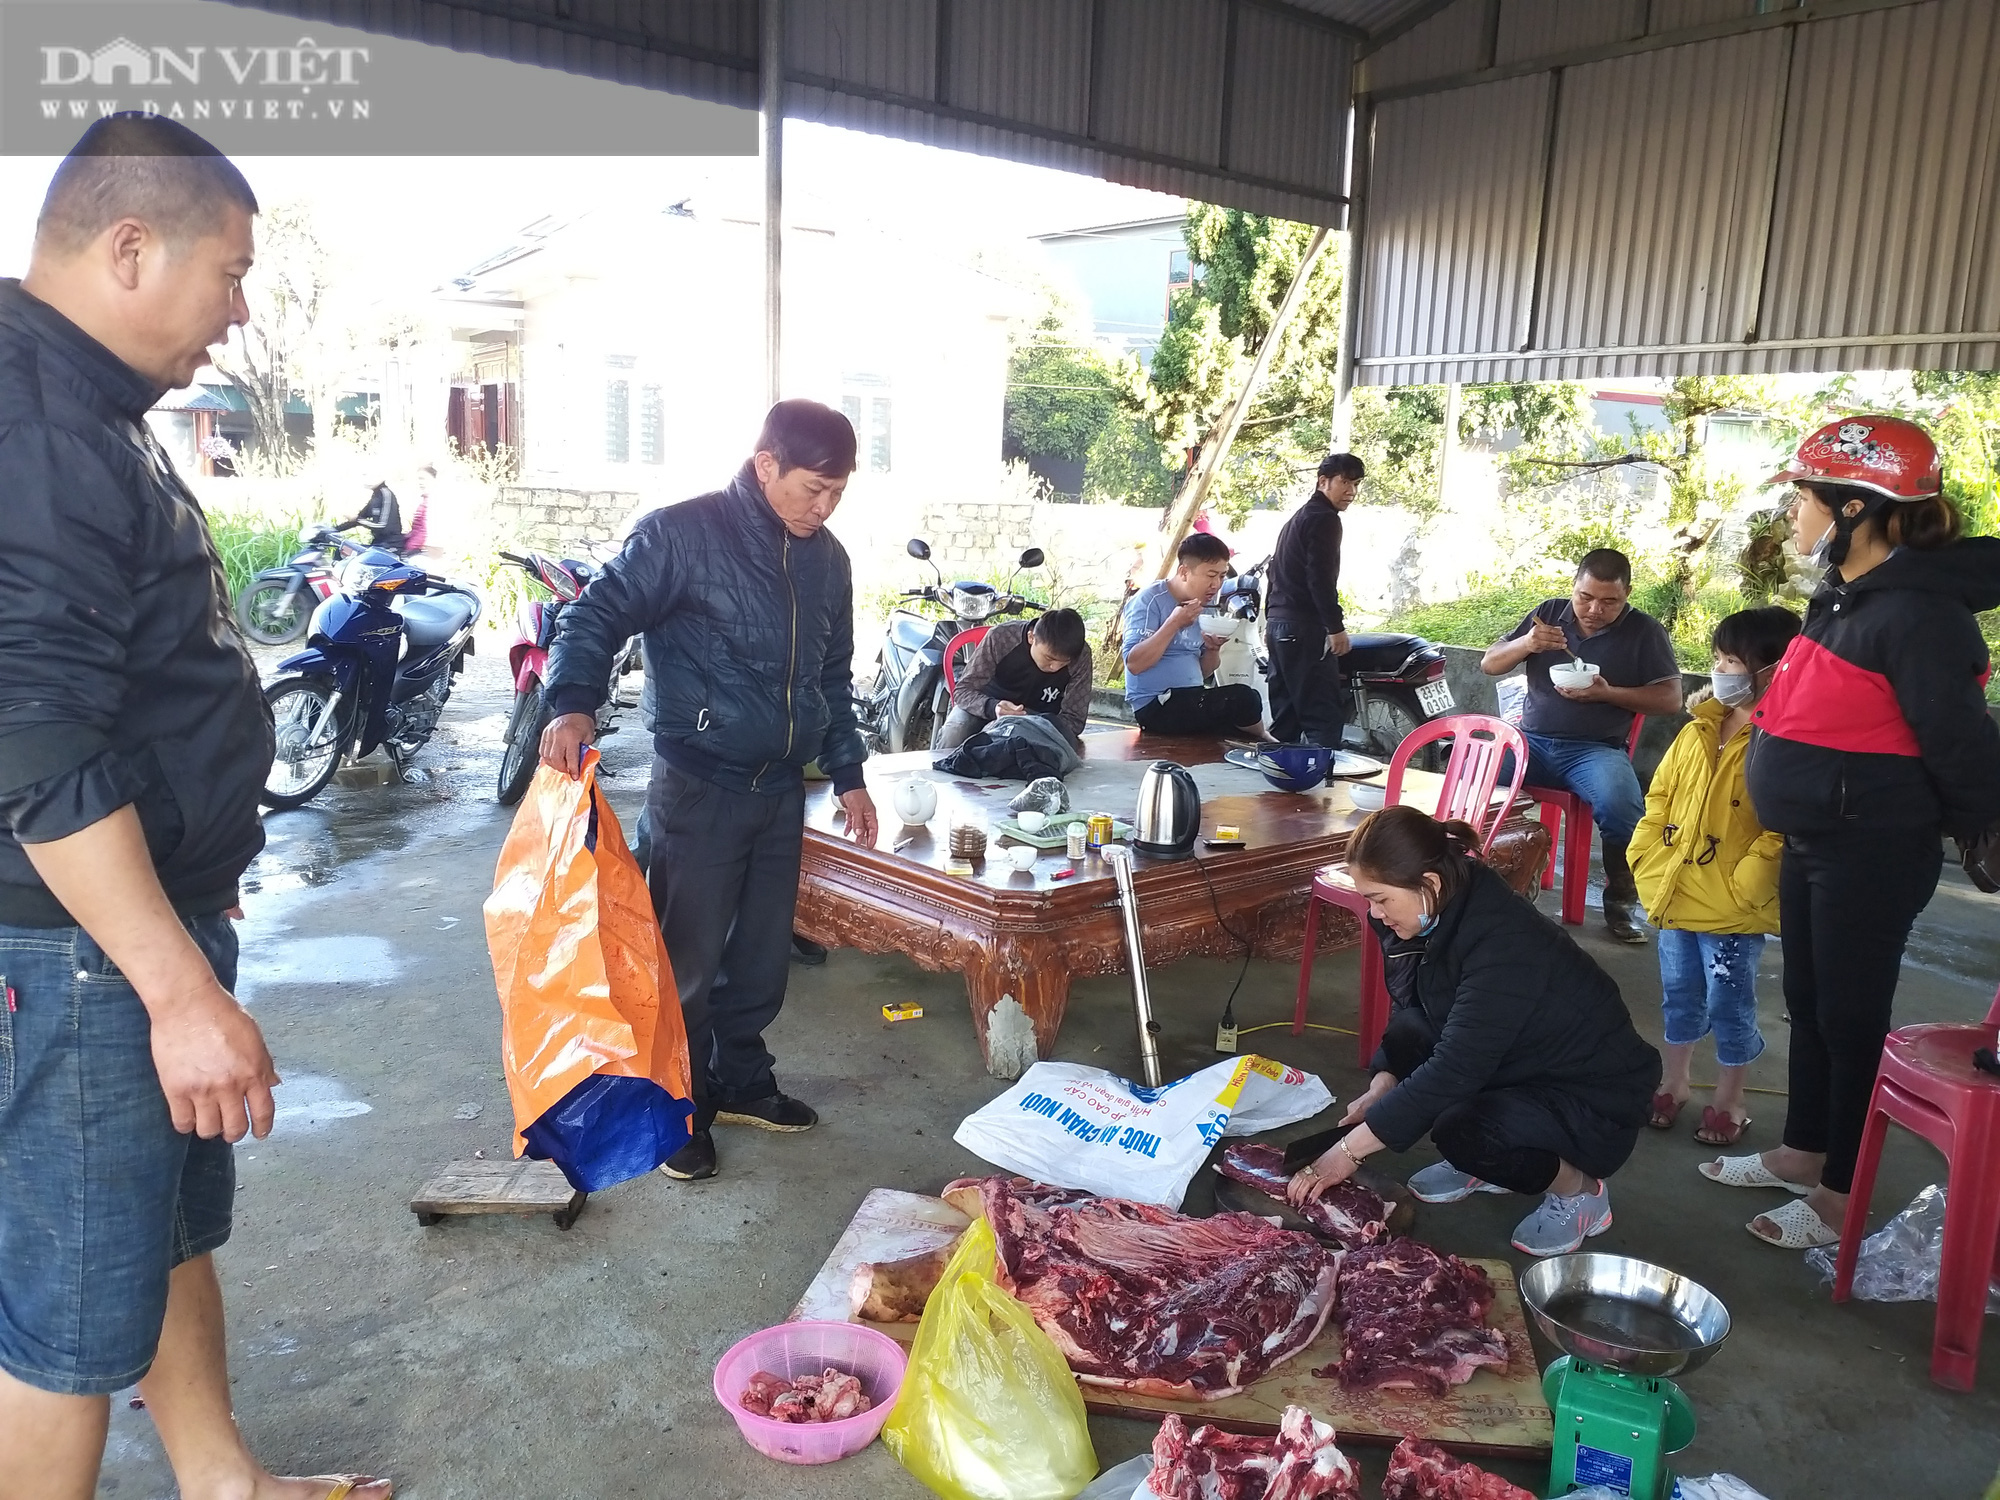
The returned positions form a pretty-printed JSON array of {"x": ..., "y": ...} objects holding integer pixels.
[
  {"x": 1168, "y": 658},
  {"x": 1577, "y": 725}
]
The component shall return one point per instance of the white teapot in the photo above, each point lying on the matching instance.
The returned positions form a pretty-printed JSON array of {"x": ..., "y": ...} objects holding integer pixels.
[{"x": 915, "y": 801}]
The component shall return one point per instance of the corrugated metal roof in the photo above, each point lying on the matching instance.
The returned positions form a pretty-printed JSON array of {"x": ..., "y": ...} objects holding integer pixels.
[
  {"x": 1453, "y": 209},
  {"x": 1238, "y": 102}
]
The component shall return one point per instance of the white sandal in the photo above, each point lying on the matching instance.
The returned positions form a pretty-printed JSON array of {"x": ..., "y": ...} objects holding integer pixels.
[
  {"x": 1799, "y": 1227},
  {"x": 1748, "y": 1172}
]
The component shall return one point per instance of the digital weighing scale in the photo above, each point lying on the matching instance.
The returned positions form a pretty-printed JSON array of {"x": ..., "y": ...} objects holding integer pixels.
[{"x": 1625, "y": 1326}]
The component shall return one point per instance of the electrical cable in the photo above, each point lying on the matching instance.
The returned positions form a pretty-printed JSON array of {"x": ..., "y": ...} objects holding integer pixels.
[{"x": 1228, "y": 1021}]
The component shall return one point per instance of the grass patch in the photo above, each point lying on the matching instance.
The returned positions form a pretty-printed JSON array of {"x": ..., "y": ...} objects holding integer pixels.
[{"x": 250, "y": 543}]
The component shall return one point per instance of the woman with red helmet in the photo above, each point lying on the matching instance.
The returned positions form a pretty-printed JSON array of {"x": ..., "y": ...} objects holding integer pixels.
[{"x": 1872, "y": 743}]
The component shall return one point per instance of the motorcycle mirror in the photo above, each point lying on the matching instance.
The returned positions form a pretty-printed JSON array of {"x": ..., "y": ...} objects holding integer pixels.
[
  {"x": 1032, "y": 558},
  {"x": 919, "y": 549}
]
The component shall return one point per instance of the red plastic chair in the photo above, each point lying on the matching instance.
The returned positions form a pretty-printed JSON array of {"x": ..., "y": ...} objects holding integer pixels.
[
  {"x": 1568, "y": 819},
  {"x": 966, "y": 641},
  {"x": 1927, "y": 1084},
  {"x": 1469, "y": 779}
]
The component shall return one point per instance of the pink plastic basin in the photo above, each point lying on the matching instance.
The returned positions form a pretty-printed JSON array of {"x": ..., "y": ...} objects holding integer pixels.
[{"x": 795, "y": 1349}]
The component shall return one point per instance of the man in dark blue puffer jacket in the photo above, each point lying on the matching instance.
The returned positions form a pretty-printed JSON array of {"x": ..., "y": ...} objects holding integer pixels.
[{"x": 746, "y": 603}]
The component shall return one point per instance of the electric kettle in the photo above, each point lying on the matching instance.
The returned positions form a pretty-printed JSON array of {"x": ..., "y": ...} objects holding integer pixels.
[{"x": 1169, "y": 815}]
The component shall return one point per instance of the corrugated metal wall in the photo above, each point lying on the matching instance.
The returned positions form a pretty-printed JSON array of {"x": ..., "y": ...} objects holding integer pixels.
[
  {"x": 1818, "y": 195},
  {"x": 1661, "y": 173},
  {"x": 1534, "y": 28},
  {"x": 1232, "y": 101},
  {"x": 1456, "y": 200},
  {"x": 1888, "y": 196},
  {"x": 1452, "y": 41}
]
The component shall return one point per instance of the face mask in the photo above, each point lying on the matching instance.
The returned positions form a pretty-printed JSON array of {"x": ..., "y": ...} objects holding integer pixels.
[
  {"x": 1734, "y": 689},
  {"x": 1424, "y": 927}
]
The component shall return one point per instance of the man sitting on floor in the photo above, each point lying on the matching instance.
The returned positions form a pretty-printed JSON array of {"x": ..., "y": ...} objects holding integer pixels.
[
  {"x": 1167, "y": 658},
  {"x": 1040, "y": 666},
  {"x": 1576, "y": 736}
]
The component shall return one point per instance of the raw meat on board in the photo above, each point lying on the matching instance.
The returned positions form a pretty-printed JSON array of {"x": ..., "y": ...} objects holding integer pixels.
[
  {"x": 1299, "y": 1463},
  {"x": 1409, "y": 1316},
  {"x": 1346, "y": 1212},
  {"x": 1423, "y": 1471},
  {"x": 1143, "y": 1299}
]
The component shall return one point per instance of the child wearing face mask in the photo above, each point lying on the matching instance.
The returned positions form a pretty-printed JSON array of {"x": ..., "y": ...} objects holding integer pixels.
[{"x": 1708, "y": 877}]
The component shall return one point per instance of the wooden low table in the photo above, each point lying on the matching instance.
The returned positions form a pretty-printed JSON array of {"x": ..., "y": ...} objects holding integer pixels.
[{"x": 1019, "y": 937}]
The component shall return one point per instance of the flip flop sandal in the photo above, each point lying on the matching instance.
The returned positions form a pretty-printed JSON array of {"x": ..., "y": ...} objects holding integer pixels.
[
  {"x": 1666, "y": 1110},
  {"x": 1719, "y": 1128},
  {"x": 345, "y": 1485},
  {"x": 1748, "y": 1172},
  {"x": 1799, "y": 1228}
]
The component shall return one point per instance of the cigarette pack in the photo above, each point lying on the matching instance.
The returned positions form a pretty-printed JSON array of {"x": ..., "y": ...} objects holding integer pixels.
[{"x": 902, "y": 1012}]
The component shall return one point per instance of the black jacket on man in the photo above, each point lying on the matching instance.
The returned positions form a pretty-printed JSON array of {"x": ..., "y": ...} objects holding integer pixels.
[
  {"x": 1876, "y": 718},
  {"x": 749, "y": 642},
  {"x": 123, "y": 679},
  {"x": 1500, "y": 997},
  {"x": 1304, "y": 581}
]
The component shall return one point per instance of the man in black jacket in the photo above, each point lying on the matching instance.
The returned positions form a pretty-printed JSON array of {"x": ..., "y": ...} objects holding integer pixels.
[
  {"x": 746, "y": 603},
  {"x": 1303, "y": 630},
  {"x": 133, "y": 744}
]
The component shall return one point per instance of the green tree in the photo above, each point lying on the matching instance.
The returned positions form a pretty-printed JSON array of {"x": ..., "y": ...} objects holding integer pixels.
[{"x": 1061, "y": 391}]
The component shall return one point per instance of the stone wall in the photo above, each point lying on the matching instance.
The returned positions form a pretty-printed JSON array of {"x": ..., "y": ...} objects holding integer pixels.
[
  {"x": 971, "y": 539},
  {"x": 559, "y": 520}
]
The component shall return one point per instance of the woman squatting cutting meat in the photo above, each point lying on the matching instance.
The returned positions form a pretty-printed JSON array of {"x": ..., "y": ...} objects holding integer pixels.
[
  {"x": 1506, "y": 1042},
  {"x": 1872, "y": 743}
]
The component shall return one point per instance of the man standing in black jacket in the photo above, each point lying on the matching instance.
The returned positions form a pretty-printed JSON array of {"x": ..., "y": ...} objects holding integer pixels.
[
  {"x": 134, "y": 742},
  {"x": 1303, "y": 630},
  {"x": 747, "y": 606}
]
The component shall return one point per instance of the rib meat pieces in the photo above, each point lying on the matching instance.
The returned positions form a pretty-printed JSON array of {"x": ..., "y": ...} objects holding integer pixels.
[
  {"x": 1147, "y": 1300},
  {"x": 1300, "y": 1463},
  {"x": 1423, "y": 1471},
  {"x": 1410, "y": 1316},
  {"x": 1347, "y": 1212},
  {"x": 831, "y": 1396}
]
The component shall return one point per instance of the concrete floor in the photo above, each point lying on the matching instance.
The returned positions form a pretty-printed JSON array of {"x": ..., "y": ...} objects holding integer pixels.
[{"x": 502, "y": 1357}]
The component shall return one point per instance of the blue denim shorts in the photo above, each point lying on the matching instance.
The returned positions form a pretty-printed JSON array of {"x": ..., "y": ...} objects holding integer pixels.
[
  {"x": 100, "y": 1197},
  {"x": 1708, "y": 982}
]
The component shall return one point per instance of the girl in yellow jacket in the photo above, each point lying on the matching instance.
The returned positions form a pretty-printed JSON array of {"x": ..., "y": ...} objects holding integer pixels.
[{"x": 1708, "y": 877}]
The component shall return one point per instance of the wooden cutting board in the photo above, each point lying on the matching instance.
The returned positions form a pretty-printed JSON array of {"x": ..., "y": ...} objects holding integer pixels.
[{"x": 1496, "y": 1413}]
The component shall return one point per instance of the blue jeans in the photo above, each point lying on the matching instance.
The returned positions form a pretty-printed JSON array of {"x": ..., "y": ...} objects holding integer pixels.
[
  {"x": 1708, "y": 982},
  {"x": 100, "y": 1197},
  {"x": 1601, "y": 774}
]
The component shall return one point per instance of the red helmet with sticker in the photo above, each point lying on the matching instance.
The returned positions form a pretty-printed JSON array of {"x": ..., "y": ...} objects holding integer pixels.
[{"x": 1884, "y": 454}]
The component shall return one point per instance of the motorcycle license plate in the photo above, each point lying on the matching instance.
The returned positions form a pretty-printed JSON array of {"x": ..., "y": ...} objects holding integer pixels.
[{"x": 1435, "y": 698}]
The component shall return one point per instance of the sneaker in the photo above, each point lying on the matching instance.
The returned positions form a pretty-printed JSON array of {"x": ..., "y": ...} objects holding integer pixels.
[
  {"x": 806, "y": 951},
  {"x": 774, "y": 1112},
  {"x": 694, "y": 1162},
  {"x": 1441, "y": 1182},
  {"x": 1561, "y": 1224}
]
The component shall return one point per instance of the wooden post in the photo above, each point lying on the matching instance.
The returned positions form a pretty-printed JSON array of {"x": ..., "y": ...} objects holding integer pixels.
[
  {"x": 1450, "y": 452},
  {"x": 1215, "y": 451}
]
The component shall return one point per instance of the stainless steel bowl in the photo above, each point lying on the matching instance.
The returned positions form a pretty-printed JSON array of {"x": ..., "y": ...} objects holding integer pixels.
[{"x": 1626, "y": 1314}]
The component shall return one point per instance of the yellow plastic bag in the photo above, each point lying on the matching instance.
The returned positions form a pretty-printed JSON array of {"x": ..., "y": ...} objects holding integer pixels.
[{"x": 989, "y": 1410}]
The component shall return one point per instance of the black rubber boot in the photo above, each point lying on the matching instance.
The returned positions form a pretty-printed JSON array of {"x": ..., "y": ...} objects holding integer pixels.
[{"x": 1621, "y": 896}]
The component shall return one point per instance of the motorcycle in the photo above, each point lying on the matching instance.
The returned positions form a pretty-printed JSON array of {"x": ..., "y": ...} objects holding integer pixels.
[
  {"x": 528, "y": 665},
  {"x": 1395, "y": 682},
  {"x": 907, "y": 700},
  {"x": 377, "y": 670},
  {"x": 278, "y": 604}
]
